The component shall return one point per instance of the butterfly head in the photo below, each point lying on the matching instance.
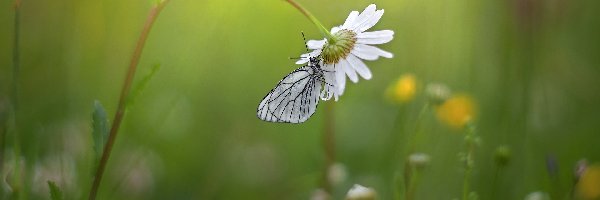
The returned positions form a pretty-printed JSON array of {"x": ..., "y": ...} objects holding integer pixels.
[{"x": 313, "y": 60}]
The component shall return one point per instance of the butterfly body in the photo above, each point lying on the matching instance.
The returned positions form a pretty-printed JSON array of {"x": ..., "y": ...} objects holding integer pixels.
[{"x": 295, "y": 98}]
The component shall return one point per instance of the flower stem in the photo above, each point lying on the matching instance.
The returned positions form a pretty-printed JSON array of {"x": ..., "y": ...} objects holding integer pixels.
[
  {"x": 395, "y": 154},
  {"x": 16, "y": 55},
  {"x": 466, "y": 183},
  {"x": 154, "y": 12},
  {"x": 18, "y": 178},
  {"x": 328, "y": 145},
  {"x": 413, "y": 175},
  {"x": 495, "y": 181},
  {"x": 409, "y": 184},
  {"x": 416, "y": 138},
  {"x": 313, "y": 19},
  {"x": 470, "y": 142}
]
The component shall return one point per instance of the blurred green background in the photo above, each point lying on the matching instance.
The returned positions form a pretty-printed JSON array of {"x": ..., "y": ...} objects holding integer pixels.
[{"x": 532, "y": 66}]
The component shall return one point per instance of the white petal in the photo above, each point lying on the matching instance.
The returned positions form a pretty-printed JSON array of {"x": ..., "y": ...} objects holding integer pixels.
[
  {"x": 304, "y": 57},
  {"x": 330, "y": 83},
  {"x": 368, "y": 52},
  {"x": 364, "y": 53},
  {"x": 359, "y": 66},
  {"x": 375, "y": 37},
  {"x": 340, "y": 77},
  {"x": 315, "y": 44},
  {"x": 362, "y": 17},
  {"x": 302, "y": 61},
  {"x": 335, "y": 29},
  {"x": 350, "y": 19},
  {"x": 315, "y": 53},
  {"x": 347, "y": 67},
  {"x": 326, "y": 93},
  {"x": 370, "y": 22}
]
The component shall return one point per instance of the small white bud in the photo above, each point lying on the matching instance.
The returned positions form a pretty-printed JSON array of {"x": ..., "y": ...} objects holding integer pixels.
[
  {"x": 359, "y": 192},
  {"x": 337, "y": 173},
  {"x": 419, "y": 160},
  {"x": 537, "y": 196},
  {"x": 437, "y": 93},
  {"x": 319, "y": 194}
]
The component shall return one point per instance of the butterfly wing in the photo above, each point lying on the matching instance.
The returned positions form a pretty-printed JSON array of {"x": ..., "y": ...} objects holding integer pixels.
[{"x": 294, "y": 99}]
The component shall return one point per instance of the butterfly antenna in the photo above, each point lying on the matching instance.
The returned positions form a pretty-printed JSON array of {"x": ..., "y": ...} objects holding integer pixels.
[{"x": 305, "y": 44}]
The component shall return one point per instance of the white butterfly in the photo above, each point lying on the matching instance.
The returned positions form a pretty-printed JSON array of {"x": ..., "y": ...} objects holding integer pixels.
[{"x": 295, "y": 98}]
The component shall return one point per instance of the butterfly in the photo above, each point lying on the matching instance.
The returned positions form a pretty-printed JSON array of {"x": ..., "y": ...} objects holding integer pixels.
[{"x": 295, "y": 98}]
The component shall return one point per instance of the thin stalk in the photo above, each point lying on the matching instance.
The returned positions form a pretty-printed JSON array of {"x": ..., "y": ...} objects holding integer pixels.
[
  {"x": 395, "y": 153},
  {"x": 328, "y": 145},
  {"x": 470, "y": 140},
  {"x": 466, "y": 182},
  {"x": 409, "y": 186},
  {"x": 313, "y": 19},
  {"x": 397, "y": 185},
  {"x": 418, "y": 129},
  {"x": 494, "y": 182},
  {"x": 412, "y": 183},
  {"x": 16, "y": 53},
  {"x": 14, "y": 100},
  {"x": 154, "y": 12}
]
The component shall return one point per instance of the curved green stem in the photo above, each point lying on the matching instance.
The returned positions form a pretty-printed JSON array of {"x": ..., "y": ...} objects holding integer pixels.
[
  {"x": 328, "y": 145},
  {"x": 124, "y": 96},
  {"x": 313, "y": 19}
]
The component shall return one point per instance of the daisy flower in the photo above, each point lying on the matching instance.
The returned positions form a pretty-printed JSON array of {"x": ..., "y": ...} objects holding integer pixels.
[{"x": 349, "y": 44}]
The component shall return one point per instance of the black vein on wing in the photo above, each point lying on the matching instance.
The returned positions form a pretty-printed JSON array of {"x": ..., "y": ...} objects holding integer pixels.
[{"x": 281, "y": 104}]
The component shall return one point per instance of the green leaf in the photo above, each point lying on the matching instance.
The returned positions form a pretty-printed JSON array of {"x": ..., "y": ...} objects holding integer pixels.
[
  {"x": 99, "y": 128},
  {"x": 139, "y": 87},
  {"x": 55, "y": 193}
]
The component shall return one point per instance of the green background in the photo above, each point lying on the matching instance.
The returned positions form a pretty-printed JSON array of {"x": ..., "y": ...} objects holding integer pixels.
[{"x": 532, "y": 66}]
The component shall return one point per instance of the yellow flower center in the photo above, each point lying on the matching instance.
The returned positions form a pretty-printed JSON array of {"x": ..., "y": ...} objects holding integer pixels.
[{"x": 339, "y": 46}]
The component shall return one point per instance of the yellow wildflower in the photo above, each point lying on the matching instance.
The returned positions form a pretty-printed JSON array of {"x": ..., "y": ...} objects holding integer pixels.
[
  {"x": 404, "y": 89},
  {"x": 588, "y": 186},
  {"x": 457, "y": 111}
]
